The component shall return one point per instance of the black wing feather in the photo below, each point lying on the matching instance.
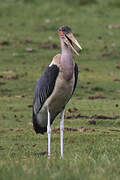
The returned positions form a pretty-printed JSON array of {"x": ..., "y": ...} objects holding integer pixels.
[
  {"x": 44, "y": 88},
  {"x": 76, "y": 76}
]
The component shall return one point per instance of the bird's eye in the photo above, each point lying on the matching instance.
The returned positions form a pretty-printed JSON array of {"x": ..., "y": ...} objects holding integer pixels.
[{"x": 63, "y": 29}]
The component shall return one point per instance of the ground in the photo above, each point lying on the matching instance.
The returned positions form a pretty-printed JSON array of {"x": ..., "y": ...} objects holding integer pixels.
[{"x": 28, "y": 42}]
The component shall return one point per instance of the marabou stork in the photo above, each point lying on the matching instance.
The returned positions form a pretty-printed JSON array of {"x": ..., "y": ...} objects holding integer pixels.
[{"x": 55, "y": 87}]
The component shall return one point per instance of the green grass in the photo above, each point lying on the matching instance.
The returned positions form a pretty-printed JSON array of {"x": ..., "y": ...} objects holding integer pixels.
[{"x": 92, "y": 153}]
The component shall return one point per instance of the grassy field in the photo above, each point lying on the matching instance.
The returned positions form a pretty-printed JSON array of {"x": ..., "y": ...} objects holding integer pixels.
[{"x": 28, "y": 42}]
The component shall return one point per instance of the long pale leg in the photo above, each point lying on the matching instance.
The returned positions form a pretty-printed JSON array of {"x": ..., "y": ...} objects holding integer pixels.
[
  {"x": 61, "y": 132},
  {"x": 49, "y": 132}
]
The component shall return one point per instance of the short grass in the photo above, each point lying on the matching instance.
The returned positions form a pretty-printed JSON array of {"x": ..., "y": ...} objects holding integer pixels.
[{"x": 92, "y": 152}]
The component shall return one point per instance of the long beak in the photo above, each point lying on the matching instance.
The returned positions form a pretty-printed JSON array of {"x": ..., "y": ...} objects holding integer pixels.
[{"x": 72, "y": 39}]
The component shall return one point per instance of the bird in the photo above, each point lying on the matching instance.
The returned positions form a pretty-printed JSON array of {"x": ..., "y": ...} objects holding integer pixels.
[{"x": 55, "y": 87}]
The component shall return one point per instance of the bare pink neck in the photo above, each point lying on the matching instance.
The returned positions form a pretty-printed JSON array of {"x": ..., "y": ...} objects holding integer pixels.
[{"x": 66, "y": 61}]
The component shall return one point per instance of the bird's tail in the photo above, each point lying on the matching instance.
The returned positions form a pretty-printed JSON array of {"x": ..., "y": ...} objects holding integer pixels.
[{"x": 36, "y": 126}]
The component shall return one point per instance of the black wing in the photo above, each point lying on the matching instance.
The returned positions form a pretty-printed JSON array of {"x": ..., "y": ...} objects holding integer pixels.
[
  {"x": 76, "y": 76},
  {"x": 44, "y": 87}
]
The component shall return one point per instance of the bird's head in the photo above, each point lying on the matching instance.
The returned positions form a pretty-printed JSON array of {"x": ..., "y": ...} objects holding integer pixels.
[{"x": 66, "y": 34}]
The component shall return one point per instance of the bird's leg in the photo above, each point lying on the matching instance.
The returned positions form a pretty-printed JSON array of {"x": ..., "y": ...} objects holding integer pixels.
[
  {"x": 62, "y": 132},
  {"x": 49, "y": 132}
]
